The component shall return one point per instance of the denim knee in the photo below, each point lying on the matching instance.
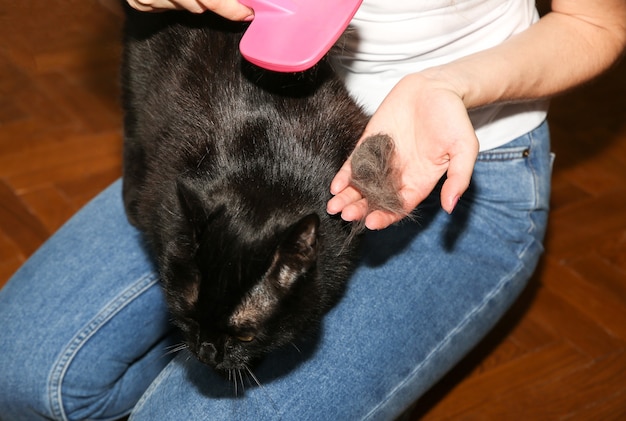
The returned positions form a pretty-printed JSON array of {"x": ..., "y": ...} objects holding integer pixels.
[{"x": 76, "y": 341}]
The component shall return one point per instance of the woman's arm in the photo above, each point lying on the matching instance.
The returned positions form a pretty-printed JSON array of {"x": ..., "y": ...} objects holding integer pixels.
[
  {"x": 426, "y": 113},
  {"x": 570, "y": 45}
]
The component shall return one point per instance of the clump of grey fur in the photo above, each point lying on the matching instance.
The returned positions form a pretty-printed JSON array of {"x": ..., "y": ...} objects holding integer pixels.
[{"x": 375, "y": 176}]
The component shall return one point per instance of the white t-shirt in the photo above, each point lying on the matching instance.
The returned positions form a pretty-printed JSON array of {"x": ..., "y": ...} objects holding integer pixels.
[{"x": 392, "y": 38}]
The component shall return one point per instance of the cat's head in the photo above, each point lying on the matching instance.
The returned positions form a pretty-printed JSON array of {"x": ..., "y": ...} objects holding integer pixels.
[{"x": 241, "y": 283}]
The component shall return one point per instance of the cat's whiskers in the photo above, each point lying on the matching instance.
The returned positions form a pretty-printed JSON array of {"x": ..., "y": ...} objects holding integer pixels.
[
  {"x": 233, "y": 377},
  {"x": 168, "y": 210},
  {"x": 256, "y": 380},
  {"x": 265, "y": 393},
  {"x": 206, "y": 153},
  {"x": 245, "y": 373},
  {"x": 296, "y": 347},
  {"x": 243, "y": 386},
  {"x": 173, "y": 349}
]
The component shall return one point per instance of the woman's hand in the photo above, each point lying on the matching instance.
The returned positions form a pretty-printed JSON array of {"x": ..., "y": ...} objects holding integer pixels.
[
  {"x": 426, "y": 115},
  {"x": 433, "y": 136},
  {"x": 230, "y": 9}
]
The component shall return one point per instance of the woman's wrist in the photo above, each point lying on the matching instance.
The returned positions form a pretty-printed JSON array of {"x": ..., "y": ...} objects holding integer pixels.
[{"x": 442, "y": 78}]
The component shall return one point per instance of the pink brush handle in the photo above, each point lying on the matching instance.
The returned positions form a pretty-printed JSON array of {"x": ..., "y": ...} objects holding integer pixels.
[{"x": 293, "y": 35}]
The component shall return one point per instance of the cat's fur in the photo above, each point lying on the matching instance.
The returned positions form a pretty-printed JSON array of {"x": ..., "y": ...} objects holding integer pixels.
[{"x": 227, "y": 171}]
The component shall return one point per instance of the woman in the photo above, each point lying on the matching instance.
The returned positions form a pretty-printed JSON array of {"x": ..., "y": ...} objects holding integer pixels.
[{"x": 85, "y": 328}]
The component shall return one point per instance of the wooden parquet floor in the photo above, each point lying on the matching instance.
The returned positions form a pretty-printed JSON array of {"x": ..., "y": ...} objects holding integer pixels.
[{"x": 559, "y": 354}]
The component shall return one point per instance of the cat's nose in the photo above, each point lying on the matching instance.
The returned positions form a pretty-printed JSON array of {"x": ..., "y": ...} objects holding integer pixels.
[{"x": 207, "y": 353}]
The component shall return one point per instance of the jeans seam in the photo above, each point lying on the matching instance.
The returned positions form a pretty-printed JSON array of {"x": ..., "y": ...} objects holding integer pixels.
[
  {"x": 537, "y": 204},
  {"x": 445, "y": 341},
  {"x": 64, "y": 360},
  {"x": 487, "y": 299},
  {"x": 153, "y": 386},
  {"x": 508, "y": 154},
  {"x": 536, "y": 198}
]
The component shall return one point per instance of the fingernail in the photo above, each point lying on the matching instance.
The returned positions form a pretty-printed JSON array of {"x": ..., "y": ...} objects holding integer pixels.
[
  {"x": 248, "y": 18},
  {"x": 455, "y": 201}
]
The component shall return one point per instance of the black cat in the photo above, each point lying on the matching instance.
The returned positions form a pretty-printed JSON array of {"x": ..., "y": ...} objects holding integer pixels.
[{"x": 227, "y": 170}]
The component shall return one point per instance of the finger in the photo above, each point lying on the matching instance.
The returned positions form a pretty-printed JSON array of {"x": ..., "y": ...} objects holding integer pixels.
[
  {"x": 355, "y": 211},
  {"x": 379, "y": 220},
  {"x": 230, "y": 9},
  {"x": 342, "y": 199},
  {"x": 342, "y": 179},
  {"x": 163, "y": 5},
  {"x": 150, "y": 6},
  {"x": 459, "y": 175}
]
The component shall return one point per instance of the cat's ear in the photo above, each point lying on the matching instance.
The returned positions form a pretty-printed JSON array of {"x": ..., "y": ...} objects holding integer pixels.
[{"x": 298, "y": 251}]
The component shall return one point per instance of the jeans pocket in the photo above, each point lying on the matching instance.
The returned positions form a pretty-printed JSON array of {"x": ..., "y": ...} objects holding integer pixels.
[
  {"x": 505, "y": 153},
  {"x": 517, "y": 173}
]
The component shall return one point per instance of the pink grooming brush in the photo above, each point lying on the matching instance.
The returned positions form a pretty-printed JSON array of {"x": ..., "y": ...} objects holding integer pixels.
[{"x": 293, "y": 35}]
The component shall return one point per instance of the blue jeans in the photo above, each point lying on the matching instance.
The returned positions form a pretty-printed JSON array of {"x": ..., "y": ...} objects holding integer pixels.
[{"x": 85, "y": 332}]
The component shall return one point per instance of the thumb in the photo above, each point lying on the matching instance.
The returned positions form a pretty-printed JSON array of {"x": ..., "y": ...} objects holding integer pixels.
[{"x": 458, "y": 179}]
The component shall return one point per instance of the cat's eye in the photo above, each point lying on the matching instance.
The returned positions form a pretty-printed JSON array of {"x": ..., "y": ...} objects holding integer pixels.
[{"x": 245, "y": 338}]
